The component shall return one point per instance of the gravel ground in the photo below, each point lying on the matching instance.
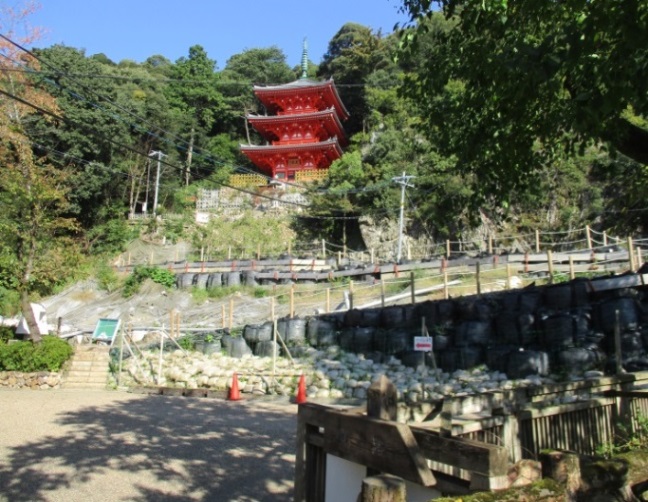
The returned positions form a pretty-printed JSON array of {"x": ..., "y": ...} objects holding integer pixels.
[{"x": 80, "y": 445}]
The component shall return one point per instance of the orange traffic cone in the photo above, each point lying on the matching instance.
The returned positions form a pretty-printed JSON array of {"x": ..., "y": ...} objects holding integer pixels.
[
  {"x": 301, "y": 391},
  {"x": 234, "y": 393}
]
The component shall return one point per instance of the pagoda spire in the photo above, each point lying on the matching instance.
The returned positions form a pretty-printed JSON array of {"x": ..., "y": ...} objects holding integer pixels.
[{"x": 304, "y": 60}]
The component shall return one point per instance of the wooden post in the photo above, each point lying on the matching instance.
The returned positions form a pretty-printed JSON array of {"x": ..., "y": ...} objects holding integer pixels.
[
  {"x": 537, "y": 239},
  {"x": 121, "y": 355},
  {"x": 231, "y": 314},
  {"x": 323, "y": 249},
  {"x": 572, "y": 272},
  {"x": 223, "y": 315},
  {"x": 412, "y": 288},
  {"x": 382, "y": 399},
  {"x": 339, "y": 258},
  {"x": 350, "y": 295},
  {"x": 409, "y": 249},
  {"x": 229, "y": 253},
  {"x": 328, "y": 300},
  {"x": 605, "y": 238},
  {"x": 446, "y": 293},
  {"x": 383, "y": 488},
  {"x": 509, "y": 275},
  {"x": 631, "y": 255},
  {"x": 202, "y": 253},
  {"x": 382, "y": 293},
  {"x": 478, "y": 277},
  {"x": 588, "y": 236},
  {"x": 292, "y": 301},
  {"x": 373, "y": 258},
  {"x": 445, "y": 429},
  {"x": 382, "y": 403},
  {"x": 448, "y": 249},
  {"x": 550, "y": 265},
  {"x": 490, "y": 244},
  {"x": 639, "y": 258},
  {"x": 617, "y": 343}
]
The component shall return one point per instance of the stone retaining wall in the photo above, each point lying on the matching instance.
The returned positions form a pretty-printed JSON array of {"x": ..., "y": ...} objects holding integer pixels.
[{"x": 41, "y": 380}]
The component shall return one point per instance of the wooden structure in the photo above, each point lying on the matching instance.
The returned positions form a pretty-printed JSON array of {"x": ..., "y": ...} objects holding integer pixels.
[
  {"x": 457, "y": 453},
  {"x": 303, "y": 128}
]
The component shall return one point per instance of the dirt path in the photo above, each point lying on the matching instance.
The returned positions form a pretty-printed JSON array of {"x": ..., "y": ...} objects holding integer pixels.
[{"x": 76, "y": 445}]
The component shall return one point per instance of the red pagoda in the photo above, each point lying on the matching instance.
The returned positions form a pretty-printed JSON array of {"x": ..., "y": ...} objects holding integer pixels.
[{"x": 303, "y": 130}]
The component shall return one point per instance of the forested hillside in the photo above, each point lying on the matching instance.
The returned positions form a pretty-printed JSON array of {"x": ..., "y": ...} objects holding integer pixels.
[{"x": 520, "y": 115}]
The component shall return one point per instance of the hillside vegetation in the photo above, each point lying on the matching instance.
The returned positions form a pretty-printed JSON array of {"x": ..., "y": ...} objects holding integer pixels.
[{"x": 504, "y": 126}]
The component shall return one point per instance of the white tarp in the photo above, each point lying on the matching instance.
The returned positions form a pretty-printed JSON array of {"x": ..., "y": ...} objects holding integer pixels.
[{"x": 41, "y": 320}]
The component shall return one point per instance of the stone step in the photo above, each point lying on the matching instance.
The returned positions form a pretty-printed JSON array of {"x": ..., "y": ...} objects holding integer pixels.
[
  {"x": 89, "y": 381},
  {"x": 91, "y": 356},
  {"x": 84, "y": 385},
  {"x": 80, "y": 373}
]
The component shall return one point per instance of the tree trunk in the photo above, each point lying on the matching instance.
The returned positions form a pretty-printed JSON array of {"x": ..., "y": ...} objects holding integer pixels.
[
  {"x": 189, "y": 156},
  {"x": 30, "y": 319}
]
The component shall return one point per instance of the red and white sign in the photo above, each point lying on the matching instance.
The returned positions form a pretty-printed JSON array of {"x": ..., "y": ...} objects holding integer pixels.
[{"x": 423, "y": 343}]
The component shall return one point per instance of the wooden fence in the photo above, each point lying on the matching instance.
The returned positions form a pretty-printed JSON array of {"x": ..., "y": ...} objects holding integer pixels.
[{"x": 457, "y": 454}]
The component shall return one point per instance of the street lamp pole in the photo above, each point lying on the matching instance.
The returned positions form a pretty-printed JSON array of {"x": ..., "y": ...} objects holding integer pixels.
[{"x": 403, "y": 181}]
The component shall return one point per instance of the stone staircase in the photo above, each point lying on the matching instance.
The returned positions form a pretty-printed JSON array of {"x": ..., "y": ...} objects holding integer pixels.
[{"x": 89, "y": 368}]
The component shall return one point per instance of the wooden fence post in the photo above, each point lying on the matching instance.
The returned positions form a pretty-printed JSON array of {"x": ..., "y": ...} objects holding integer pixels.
[
  {"x": 550, "y": 265},
  {"x": 572, "y": 272},
  {"x": 328, "y": 300},
  {"x": 412, "y": 288},
  {"x": 478, "y": 276},
  {"x": 223, "y": 316},
  {"x": 490, "y": 244},
  {"x": 448, "y": 249},
  {"x": 639, "y": 258},
  {"x": 588, "y": 236},
  {"x": 509, "y": 275},
  {"x": 350, "y": 295},
  {"x": 631, "y": 255},
  {"x": 446, "y": 293},
  {"x": 537, "y": 239},
  {"x": 323, "y": 249}
]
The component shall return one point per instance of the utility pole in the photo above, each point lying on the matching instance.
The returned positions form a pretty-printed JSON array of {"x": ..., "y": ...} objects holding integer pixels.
[
  {"x": 157, "y": 179},
  {"x": 403, "y": 181}
]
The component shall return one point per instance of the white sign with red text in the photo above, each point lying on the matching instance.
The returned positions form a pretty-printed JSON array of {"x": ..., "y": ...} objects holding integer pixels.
[{"x": 423, "y": 343}]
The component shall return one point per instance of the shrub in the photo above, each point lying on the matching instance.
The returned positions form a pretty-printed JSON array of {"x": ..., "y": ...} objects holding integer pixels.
[
  {"x": 48, "y": 355},
  {"x": 159, "y": 275}
]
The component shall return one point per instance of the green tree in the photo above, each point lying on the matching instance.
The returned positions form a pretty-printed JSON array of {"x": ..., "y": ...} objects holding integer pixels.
[
  {"x": 194, "y": 94},
  {"x": 353, "y": 54},
  {"x": 34, "y": 229},
  {"x": 509, "y": 86}
]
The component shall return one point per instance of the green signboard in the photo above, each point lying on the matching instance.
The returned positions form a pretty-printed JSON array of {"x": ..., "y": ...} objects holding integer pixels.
[{"x": 106, "y": 330}]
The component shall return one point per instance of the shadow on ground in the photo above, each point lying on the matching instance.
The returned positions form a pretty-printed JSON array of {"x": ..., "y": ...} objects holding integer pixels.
[{"x": 160, "y": 448}]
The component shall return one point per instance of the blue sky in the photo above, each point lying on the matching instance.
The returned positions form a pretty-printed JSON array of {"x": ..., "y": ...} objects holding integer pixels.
[{"x": 137, "y": 29}]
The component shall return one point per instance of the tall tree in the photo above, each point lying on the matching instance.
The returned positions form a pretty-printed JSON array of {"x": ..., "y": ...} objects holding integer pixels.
[
  {"x": 195, "y": 95},
  {"x": 353, "y": 54},
  {"x": 512, "y": 84},
  {"x": 33, "y": 204}
]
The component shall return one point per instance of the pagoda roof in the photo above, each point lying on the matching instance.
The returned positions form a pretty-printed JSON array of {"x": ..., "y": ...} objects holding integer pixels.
[
  {"x": 331, "y": 144},
  {"x": 302, "y": 86},
  {"x": 328, "y": 117}
]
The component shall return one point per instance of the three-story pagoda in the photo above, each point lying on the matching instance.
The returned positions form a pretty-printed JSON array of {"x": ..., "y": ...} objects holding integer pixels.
[{"x": 303, "y": 129}]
